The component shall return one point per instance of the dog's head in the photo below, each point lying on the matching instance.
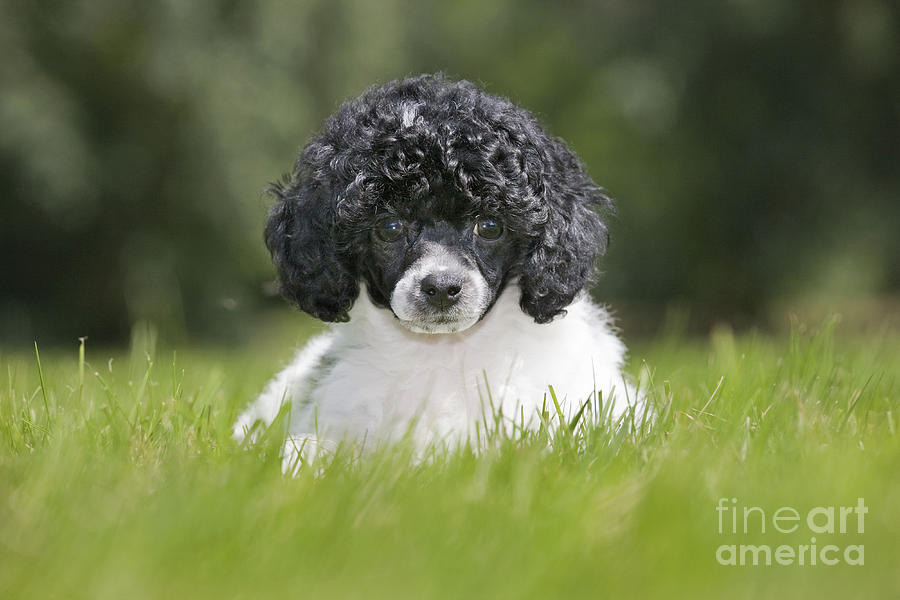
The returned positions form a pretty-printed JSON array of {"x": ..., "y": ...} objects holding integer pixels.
[{"x": 435, "y": 194}]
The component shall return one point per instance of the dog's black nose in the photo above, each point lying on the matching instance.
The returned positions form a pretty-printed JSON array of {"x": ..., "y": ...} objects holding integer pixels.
[{"x": 441, "y": 290}]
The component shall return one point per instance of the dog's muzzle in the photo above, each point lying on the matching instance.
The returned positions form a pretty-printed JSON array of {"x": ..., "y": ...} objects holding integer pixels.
[{"x": 440, "y": 293}]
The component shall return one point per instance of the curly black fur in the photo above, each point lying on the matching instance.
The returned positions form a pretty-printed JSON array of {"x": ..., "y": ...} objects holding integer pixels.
[{"x": 460, "y": 152}]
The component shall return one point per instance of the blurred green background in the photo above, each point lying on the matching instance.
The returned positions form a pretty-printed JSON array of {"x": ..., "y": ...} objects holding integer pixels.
[{"x": 752, "y": 147}]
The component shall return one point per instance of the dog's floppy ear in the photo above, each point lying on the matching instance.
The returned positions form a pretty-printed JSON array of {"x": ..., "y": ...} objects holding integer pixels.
[
  {"x": 300, "y": 234},
  {"x": 561, "y": 261}
]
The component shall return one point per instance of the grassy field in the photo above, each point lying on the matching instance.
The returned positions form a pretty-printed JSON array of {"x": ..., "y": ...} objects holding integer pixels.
[{"x": 118, "y": 479}]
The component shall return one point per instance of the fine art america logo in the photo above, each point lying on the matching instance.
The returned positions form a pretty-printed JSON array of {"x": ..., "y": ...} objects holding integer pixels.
[{"x": 735, "y": 519}]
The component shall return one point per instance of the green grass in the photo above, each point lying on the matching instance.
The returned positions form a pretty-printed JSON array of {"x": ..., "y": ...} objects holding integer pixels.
[{"x": 118, "y": 479}]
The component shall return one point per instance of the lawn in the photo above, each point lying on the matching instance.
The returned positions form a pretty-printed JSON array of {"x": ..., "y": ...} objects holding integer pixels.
[{"x": 118, "y": 479}]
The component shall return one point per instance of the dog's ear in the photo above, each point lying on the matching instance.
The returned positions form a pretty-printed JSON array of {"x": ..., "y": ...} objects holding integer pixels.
[
  {"x": 561, "y": 261},
  {"x": 301, "y": 236}
]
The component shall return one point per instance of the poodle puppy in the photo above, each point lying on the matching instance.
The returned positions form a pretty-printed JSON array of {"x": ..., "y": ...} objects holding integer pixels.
[{"x": 449, "y": 239}]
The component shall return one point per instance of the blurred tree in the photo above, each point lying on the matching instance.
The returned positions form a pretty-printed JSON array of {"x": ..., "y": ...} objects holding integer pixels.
[{"x": 752, "y": 146}]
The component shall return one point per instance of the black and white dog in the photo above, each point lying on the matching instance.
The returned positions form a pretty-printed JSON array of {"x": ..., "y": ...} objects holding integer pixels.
[{"x": 449, "y": 239}]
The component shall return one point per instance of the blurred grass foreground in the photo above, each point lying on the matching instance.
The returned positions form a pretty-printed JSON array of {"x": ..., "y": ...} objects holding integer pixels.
[
  {"x": 118, "y": 478},
  {"x": 751, "y": 146}
]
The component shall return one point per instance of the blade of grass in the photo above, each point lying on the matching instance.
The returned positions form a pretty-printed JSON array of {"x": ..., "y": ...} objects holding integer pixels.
[
  {"x": 559, "y": 412},
  {"x": 580, "y": 412},
  {"x": 37, "y": 356},
  {"x": 81, "y": 342}
]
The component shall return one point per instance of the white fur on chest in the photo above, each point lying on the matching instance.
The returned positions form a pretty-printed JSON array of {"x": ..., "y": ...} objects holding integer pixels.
[{"x": 373, "y": 379}]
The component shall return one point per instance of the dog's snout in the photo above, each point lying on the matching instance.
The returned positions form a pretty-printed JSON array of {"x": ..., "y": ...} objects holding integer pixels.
[{"x": 441, "y": 290}]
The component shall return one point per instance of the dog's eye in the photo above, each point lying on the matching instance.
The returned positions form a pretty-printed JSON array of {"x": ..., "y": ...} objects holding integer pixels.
[
  {"x": 390, "y": 230},
  {"x": 488, "y": 228}
]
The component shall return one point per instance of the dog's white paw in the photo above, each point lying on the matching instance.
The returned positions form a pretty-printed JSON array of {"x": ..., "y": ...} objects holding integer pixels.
[{"x": 305, "y": 451}]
